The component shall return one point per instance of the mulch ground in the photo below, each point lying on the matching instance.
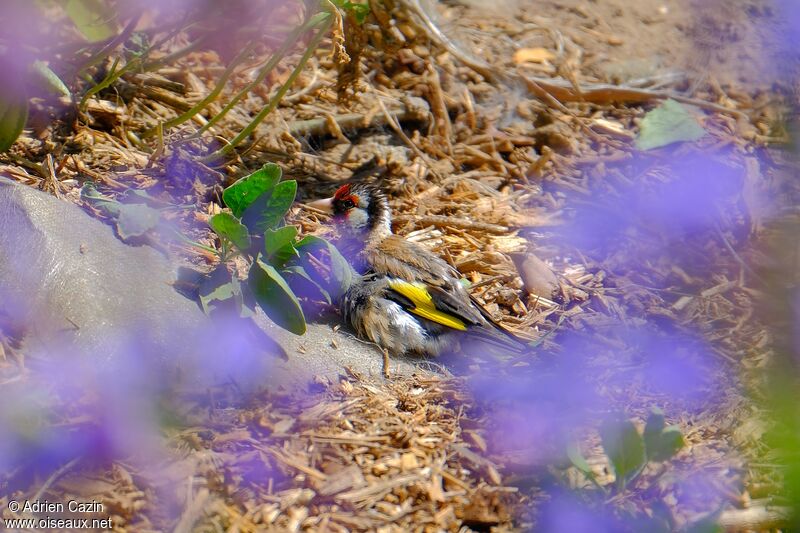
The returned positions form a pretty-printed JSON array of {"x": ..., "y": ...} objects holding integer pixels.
[{"x": 540, "y": 201}]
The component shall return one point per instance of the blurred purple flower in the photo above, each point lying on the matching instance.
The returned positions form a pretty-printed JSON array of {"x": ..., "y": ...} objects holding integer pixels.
[
  {"x": 565, "y": 512},
  {"x": 675, "y": 211}
]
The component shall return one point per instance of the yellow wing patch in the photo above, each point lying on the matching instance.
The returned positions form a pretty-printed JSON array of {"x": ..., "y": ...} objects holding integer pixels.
[{"x": 423, "y": 304}]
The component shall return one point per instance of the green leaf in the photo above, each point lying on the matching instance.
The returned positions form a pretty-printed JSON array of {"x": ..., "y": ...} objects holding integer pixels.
[
  {"x": 135, "y": 220},
  {"x": 360, "y": 11},
  {"x": 275, "y": 297},
  {"x": 299, "y": 271},
  {"x": 132, "y": 220},
  {"x": 13, "y": 113},
  {"x": 229, "y": 227},
  {"x": 48, "y": 80},
  {"x": 279, "y": 245},
  {"x": 578, "y": 460},
  {"x": 247, "y": 190},
  {"x": 662, "y": 442},
  {"x": 268, "y": 210},
  {"x": 625, "y": 449},
  {"x": 91, "y": 195},
  {"x": 669, "y": 123},
  {"x": 670, "y": 443},
  {"x": 342, "y": 272},
  {"x": 93, "y": 19},
  {"x": 218, "y": 289}
]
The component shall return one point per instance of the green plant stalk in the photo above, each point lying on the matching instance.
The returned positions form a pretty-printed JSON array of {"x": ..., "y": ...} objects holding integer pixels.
[
  {"x": 196, "y": 244},
  {"x": 106, "y": 50},
  {"x": 273, "y": 103},
  {"x": 207, "y": 100},
  {"x": 169, "y": 58},
  {"x": 266, "y": 69},
  {"x": 112, "y": 76}
]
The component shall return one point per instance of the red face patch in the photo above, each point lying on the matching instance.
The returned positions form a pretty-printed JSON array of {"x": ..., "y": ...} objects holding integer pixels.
[
  {"x": 344, "y": 201},
  {"x": 342, "y": 192}
]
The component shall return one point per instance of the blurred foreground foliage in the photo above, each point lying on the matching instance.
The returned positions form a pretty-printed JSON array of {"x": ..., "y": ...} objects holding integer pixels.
[{"x": 57, "y": 48}]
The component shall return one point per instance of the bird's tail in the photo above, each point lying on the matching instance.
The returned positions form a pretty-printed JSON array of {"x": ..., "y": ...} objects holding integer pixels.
[
  {"x": 496, "y": 341},
  {"x": 496, "y": 334}
]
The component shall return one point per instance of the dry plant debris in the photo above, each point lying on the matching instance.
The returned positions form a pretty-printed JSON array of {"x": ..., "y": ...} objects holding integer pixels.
[
  {"x": 480, "y": 171},
  {"x": 360, "y": 456}
]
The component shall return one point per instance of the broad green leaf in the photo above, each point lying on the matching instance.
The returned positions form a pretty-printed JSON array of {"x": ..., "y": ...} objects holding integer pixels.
[
  {"x": 48, "y": 80},
  {"x": 279, "y": 245},
  {"x": 341, "y": 270},
  {"x": 229, "y": 227},
  {"x": 299, "y": 271},
  {"x": 135, "y": 220},
  {"x": 653, "y": 428},
  {"x": 625, "y": 449},
  {"x": 247, "y": 190},
  {"x": 275, "y": 297},
  {"x": 578, "y": 460},
  {"x": 91, "y": 195},
  {"x": 668, "y": 443},
  {"x": 13, "y": 113},
  {"x": 669, "y": 123},
  {"x": 93, "y": 19},
  {"x": 662, "y": 442},
  {"x": 132, "y": 220},
  {"x": 268, "y": 210},
  {"x": 221, "y": 290},
  {"x": 279, "y": 203}
]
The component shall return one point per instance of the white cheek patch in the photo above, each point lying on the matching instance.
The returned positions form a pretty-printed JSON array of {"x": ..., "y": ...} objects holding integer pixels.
[{"x": 357, "y": 219}]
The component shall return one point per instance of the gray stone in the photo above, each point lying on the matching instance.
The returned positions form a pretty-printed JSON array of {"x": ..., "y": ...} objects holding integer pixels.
[{"x": 85, "y": 301}]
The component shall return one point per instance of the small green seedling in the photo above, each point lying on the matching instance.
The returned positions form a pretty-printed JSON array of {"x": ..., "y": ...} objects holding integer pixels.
[
  {"x": 254, "y": 228},
  {"x": 628, "y": 450}
]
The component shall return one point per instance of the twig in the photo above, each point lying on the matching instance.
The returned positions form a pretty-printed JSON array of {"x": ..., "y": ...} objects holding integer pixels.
[
  {"x": 759, "y": 518},
  {"x": 195, "y": 507},
  {"x": 288, "y": 43},
  {"x": 461, "y": 223},
  {"x": 188, "y": 114},
  {"x": 392, "y": 121},
  {"x": 322, "y": 30},
  {"x": 50, "y": 183},
  {"x": 104, "y": 52},
  {"x": 735, "y": 254},
  {"x": 415, "y": 109},
  {"x": 54, "y": 477},
  {"x": 561, "y": 90}
]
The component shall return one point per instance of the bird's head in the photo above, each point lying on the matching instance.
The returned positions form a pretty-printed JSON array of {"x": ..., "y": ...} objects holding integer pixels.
[{"x": 360, "y": 210}]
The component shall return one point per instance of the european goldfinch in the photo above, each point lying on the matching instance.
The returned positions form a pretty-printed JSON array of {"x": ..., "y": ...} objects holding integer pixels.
[{"x": 407, "y": 299}]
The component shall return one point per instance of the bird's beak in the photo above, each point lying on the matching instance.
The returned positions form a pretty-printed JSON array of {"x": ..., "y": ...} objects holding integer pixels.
[{"x": 325, "y": 205}]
